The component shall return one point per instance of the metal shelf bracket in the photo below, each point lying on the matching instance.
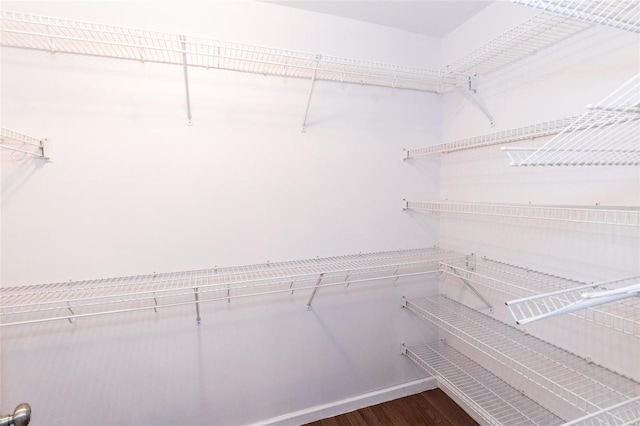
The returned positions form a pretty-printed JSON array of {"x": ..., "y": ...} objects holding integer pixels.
[
  {"x": 313, "y": 293},
  {"x": 313, "y": 82},
  {"x": 469, "y": 87}
]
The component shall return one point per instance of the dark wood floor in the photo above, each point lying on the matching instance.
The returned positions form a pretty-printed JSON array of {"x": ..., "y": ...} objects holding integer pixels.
[{"x": 433, "y": 407}]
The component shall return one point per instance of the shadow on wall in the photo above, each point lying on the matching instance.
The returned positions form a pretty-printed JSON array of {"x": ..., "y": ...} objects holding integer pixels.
[{"x": 14, "y": 179}]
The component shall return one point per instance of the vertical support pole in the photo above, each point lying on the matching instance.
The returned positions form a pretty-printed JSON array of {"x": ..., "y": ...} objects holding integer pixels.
[
  {"x": 313, "y": 293},
  {"x": 183, "y": 42},
  {"x": 155, "y": 300},
  {"x": 195, "y": 290},
  {"x": 313, "y": 82}
]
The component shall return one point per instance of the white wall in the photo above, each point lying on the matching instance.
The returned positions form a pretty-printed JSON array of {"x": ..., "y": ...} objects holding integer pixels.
[
  {"x": 131, "y": 189},
  {"x": 554, "y": 83}
]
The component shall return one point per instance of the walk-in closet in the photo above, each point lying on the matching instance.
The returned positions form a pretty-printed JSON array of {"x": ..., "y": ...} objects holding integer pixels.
[{"x": 277, "y": 212}]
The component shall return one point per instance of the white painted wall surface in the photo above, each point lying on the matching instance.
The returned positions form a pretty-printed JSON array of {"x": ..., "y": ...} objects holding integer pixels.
[
  {"x": 132, "y": 189},
  {"x": 555, "y": 83}
]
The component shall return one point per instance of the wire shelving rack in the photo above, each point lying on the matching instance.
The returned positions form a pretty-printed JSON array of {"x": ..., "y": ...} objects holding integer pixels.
[
  {"x": 86, "y": 38},
  {"x": 492, "y": 399},
  {"x": 71, "y": 300},
  {"x": 597, "y": 215},
  {"x": 608, "y": 134},
  {"x": 620, "y": 14},
  {"x": 533, "y": 131},
  {"x": 576, "y": 381},
  {"x": 520, "y": 282},
  {"x": 23, "y": 145},
  {"x": 532, "y": 35}
]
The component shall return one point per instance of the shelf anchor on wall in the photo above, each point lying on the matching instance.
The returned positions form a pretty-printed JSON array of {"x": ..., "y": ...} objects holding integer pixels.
[
  {"x": 469, "y": 86},
  {"x": 183, "y": 42},
  {"x": 313, "y": 82}
]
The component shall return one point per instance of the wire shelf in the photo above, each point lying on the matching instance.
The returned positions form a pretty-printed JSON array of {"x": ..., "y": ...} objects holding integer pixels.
[
  {"x": 626, "y": 413},
  {"x": 482, "y": 392},
  {"x": 601, "y": 215},
  {"x": 526, "y": 38},
  {"x": 620, "y": 14},
  {"x": 58, "y": 301},
  {"x": 608, "y": 134},
  {"x": 583, "y": 384},
  {"x": 23, "y": 145},
  {"x": 520, "y": 282},
  {"x": 533, "y": 131},
  {"x": 86, "y": 38}
]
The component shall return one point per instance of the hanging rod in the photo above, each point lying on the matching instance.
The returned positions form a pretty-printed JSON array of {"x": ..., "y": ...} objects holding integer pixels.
[
  {"x": 608, "y": 134},
  {"x": 620, "y": 14}
]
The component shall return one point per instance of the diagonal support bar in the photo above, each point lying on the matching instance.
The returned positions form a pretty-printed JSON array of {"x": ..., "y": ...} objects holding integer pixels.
[
  {"x": 313, "y": 82},
  {"x": 315, "y": 290},
  {"x": 473, "y": 289},
  {"x": 469, "y": 87},
  {"x": 183, "y": 43}
]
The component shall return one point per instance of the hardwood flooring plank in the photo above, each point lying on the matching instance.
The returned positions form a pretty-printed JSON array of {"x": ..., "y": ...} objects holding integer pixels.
[{"x": 432, "y": 408}]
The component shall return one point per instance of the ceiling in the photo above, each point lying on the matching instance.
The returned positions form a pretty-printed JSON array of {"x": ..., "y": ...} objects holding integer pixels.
[{"x": 429, "y": 17}]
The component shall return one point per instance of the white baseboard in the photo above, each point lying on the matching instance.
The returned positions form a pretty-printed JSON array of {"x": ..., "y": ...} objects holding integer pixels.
[{"x": 349, "y": 404}]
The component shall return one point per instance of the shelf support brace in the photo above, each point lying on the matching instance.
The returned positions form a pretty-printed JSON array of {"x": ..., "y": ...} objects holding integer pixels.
[
  {"x": 72, "y": 313},
  {"x": 195, "y": 290},
  {"x": 473, "y": 289},
  {"x": 469, "y": 88},
  {"x": 313, "y": 82},
  {"x": 313, "y": 293},
  {"x": 183, "y": 42}
]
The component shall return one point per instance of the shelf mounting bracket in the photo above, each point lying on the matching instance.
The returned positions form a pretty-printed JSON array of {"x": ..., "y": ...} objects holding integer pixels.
[
  {"x": 313, "y": 293},
  {"x": 473, "y": 289},
  {"x": 183, "y": 42},
  {"x": 469, "y": 87},
  {"x": 313, "y": 82}
]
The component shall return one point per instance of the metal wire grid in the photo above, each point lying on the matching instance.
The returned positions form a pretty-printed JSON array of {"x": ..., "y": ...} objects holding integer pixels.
[
  {"x": 583, "y": 384},
  {"x": 517, "y": 281},
  {"x": 70, "y": 300},
  {"x": 621, "y": 14},
  {"x": 602, "y": 215},
  {"x": 526, "y": 38},
  {"x": 556, "y": 303},
  {"x": 608, "y": 134},
  {"x": 70, "y": 36},
  {"x": 533, "y": 131},
  {"x": 21, "y": 143},
  {"x": 626, "y": 413},
  {"x": 484, "y": 393}
]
